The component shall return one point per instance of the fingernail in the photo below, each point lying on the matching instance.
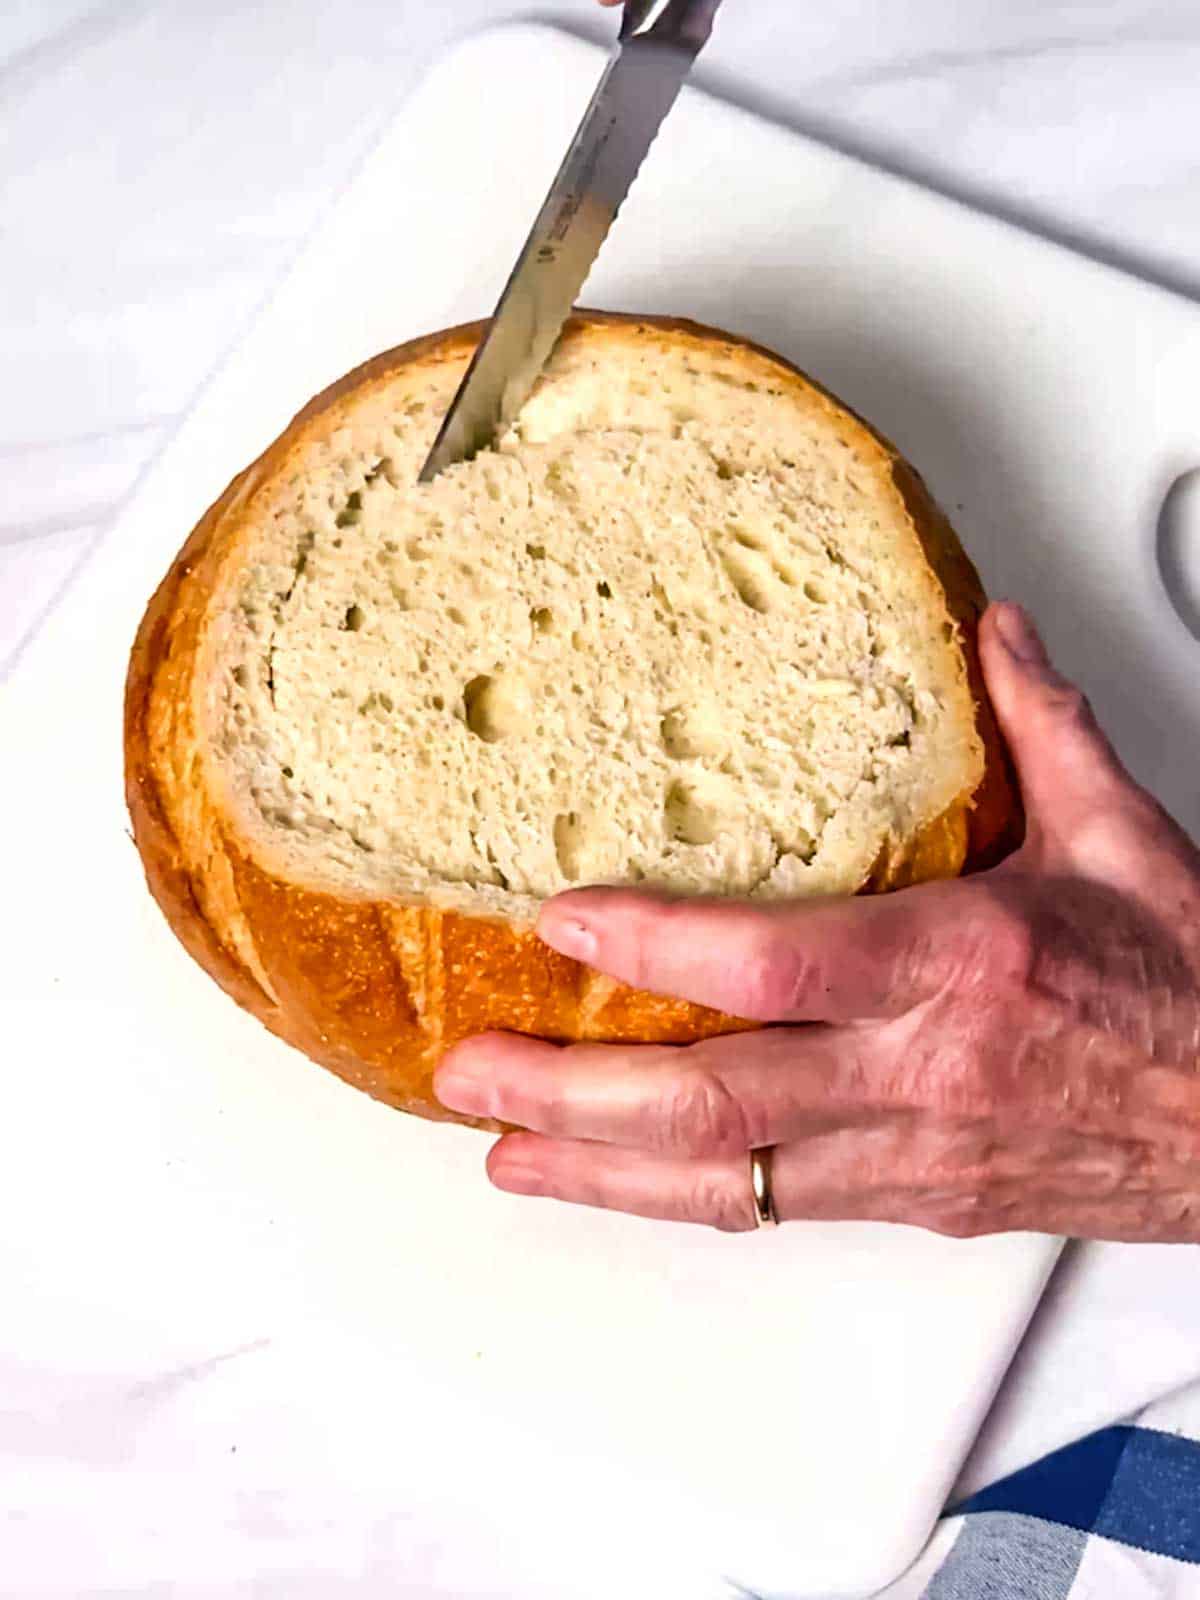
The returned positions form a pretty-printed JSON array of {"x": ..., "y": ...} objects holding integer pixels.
[
  {"x": 569, "y": 937},
  {"x": 465, "y": 1091},
  {"x": 1020, "y": 637}
]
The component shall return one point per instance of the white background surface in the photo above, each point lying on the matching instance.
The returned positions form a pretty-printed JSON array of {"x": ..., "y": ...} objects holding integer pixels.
[
  {"x": 163, "y": 163},
  {"x": 608, "y": 1363}
]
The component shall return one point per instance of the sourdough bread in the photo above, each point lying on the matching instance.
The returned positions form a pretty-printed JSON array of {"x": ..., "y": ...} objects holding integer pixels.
[{"x": 690, "y": 625}]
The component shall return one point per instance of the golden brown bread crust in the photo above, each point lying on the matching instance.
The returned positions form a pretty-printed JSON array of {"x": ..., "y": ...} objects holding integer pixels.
[{"x": 378, "y": 990}]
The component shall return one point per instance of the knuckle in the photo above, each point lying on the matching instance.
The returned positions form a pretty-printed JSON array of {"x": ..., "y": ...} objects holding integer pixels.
[
  {"x": 703, "y": 1117},
  {"x": 549, "y": 1111},
  {"x": 992, "y": 947},
  {"x": 921, "y": 963},
  {"x": 715, "y": 1201},
  {"x": 956, "y": 1222},
  {"x": 1007, "y": 943},
  {"x": 542, "y": 1098},
  {"x": 959, "y": 1214},
  {"x": 772, "y": 980},
  {"x": 1068, "y": 705},
  {"x": 1109, "y": 836},
  {"x": 949, "y": 1081}
]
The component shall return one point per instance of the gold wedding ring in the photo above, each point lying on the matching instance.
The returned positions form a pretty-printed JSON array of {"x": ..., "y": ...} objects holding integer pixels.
[{"x": 765, "y": 1215}]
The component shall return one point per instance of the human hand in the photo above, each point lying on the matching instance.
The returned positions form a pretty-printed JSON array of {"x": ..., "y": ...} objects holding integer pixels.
[{"x": 1015, "y": 1050}]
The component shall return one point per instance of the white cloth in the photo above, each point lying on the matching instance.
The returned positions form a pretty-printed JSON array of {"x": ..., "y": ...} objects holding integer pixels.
[
  {"x": 1115, "y": 1513},
  {"x": 161, "y": 164}
]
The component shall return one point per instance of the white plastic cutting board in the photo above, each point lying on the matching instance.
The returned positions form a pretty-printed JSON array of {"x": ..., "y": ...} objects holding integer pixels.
[{"x": 264, "y": 1338}]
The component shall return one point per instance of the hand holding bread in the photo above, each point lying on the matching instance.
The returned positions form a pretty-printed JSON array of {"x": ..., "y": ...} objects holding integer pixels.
[
  {"x": 691, "y": 625},
  {"x": 1019, "y": 1050},
  {"x": 695, "y": 632}
]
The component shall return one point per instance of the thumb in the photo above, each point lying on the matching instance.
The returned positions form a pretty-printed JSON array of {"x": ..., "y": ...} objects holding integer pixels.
[{"x": 1066, "y": 766}]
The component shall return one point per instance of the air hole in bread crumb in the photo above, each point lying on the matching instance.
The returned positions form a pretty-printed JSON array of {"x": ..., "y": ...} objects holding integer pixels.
[
  {"x": 415, "y": 550},
  {"x": 542, "y": 618},
  {"x": 570, "y": 837},
  {"x": 240, "y": 677},
  {"x": 603, "y": 590},
  {"x": 559, "y": 484},
  {"x": 686, "y": 737},
  {"x": 494, "y": 708},
  {"x": 816, "y": 592},
  {"x": 354, "y": 619},
  {"x": 287, "y": 772},
  {"x": 748, "y": 586},
  {"x": 351, "y": 512},
  {"x": 456, "y": 615},
  {"x": 687, "y": 818},
  {"x": 383, "y": 468},
  {"x": 536, "y": 552}
]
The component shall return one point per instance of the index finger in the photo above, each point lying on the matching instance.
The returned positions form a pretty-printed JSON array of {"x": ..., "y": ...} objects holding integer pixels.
[
  {"x": 724, "y": 1096},
  {"x": 845, "y": 960}
]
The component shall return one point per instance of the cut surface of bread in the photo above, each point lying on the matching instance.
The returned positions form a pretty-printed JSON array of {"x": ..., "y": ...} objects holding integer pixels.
[{"x": 690, "y": 625}]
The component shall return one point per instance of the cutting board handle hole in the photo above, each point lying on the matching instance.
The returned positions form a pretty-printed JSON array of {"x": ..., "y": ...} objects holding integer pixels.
[{"x": 1178, "y": 546}]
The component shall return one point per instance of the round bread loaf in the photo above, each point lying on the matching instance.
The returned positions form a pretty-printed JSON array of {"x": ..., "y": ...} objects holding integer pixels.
[{"x": 691, "y": 625}]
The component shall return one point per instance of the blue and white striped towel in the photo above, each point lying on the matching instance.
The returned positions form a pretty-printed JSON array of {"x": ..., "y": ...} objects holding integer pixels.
[{"x": 1115, "y": 1516}]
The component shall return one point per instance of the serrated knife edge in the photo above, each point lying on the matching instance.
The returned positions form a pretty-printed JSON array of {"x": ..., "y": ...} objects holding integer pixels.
[{"x": 639, "y": 85}]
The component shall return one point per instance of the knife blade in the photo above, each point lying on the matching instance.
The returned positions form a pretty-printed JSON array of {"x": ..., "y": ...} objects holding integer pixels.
[{"x": 658, "y": 41}]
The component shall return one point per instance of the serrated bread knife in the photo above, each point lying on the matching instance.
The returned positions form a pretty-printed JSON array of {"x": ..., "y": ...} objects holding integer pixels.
[{"x": 658, "y": 41}]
